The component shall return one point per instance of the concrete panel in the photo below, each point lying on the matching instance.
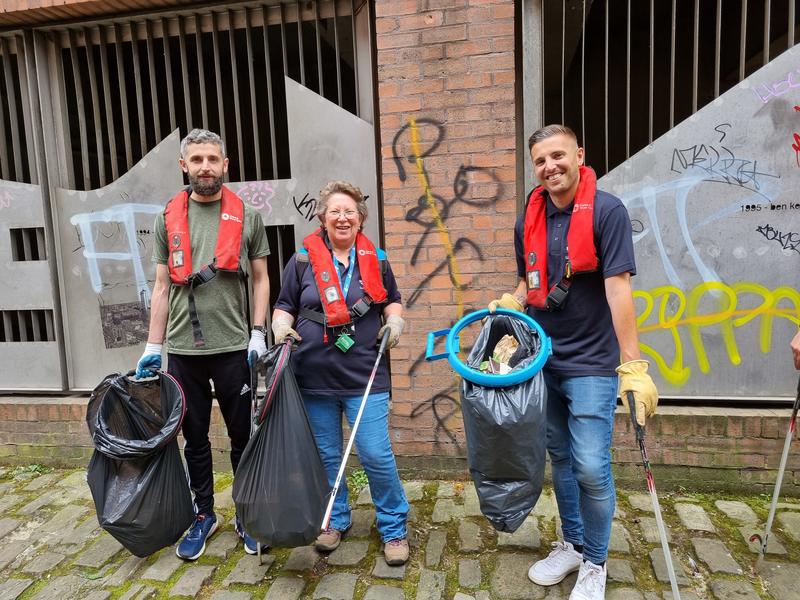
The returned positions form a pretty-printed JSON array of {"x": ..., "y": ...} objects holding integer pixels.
[
  {"x": 26, "y": 286},
  {"x": 106, "y": 234},
  {"x": 716, "y": 221},
  {"x": 106, "y": 269}
]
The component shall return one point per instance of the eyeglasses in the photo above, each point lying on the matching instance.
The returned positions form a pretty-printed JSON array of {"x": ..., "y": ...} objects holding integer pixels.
[{"x": 335, "y": 214}]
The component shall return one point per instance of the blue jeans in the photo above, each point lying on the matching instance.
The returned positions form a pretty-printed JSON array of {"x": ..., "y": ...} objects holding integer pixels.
[
  {"x": 580, "y": 423},
  {"x": 374, "y": 452}
]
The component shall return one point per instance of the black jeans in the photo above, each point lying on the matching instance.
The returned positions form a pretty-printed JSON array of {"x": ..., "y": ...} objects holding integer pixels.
[{"x": 231, "y": 376}]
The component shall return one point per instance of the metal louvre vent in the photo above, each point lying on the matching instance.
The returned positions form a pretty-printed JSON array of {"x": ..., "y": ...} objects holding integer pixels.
[
  {"x": 16, "y": 145},
  {"x": 27, "y": 243},
  {"x": 27, "y": 326},
  {"x": 623, "y": 72},
  {"x": 127, "y": 84}
]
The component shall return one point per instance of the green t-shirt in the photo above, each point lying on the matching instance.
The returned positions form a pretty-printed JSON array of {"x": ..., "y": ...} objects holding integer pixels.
[{"x": 221, "y": 303}]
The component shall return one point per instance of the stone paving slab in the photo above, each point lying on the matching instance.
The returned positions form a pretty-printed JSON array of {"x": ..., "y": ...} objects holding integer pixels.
[
  {"x": 285, "y": 588},
  {"x": 383, "y": 570},
  {"x": 790, "y": 522},
  {"x": 457, "y": 555},
  {"x": 773, "y": 545},
  {"x": 192, "y": 580},
  {"x": 12, "y": 589},
  {"x": 725, "y": 589},
  {"x": 715, "y": 555},
  {"x": 527, "y": 536},
  {"x": 384, "y": 592},
  {"x": 348, "y": 554},
  {"x": 302, "y": 559},
  {"x": 100, "y": 552},
  {"x": 694, "y": 517},
  {"x": 337, "y": 586},
  {"x": 738, "y": 511},
  {"x": 248, "y": 571},
  {"x": 431, "y": 585}
]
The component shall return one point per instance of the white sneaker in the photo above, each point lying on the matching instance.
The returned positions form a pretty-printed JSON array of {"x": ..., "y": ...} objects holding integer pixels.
[
  {"x": 591, "y": 584},
  {"x": 562, "y": 561}
]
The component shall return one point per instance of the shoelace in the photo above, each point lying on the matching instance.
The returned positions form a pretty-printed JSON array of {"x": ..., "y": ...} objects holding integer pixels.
[
  {"x": 197, "y": 527},
  {"x": 590, "y": 577},
  {"x": 558, "y": 548}
]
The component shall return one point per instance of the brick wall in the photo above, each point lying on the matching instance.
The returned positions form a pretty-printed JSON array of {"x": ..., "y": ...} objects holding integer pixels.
[
  {"x": 445, "y": 73},
  {"x": 694, "y": 448}
]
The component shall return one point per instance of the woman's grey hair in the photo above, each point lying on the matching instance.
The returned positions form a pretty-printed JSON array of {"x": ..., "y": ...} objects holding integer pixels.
[
  {"x": 202, "y": 136},
  {"x": 549, "y": 131},
  {"x": 341, "y": 187}
]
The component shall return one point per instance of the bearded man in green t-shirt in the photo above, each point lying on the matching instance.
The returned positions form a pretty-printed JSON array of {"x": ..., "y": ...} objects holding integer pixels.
[{"x": 206, "y": 240}]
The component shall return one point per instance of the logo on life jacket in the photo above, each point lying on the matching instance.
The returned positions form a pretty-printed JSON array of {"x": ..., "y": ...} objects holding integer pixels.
[{"x": 226, "y": 217}]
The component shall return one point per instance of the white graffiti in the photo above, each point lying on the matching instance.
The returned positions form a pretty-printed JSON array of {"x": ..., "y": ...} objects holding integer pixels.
[
  {"x": 125, "y": 215},
  {"x": 768, "y": 91}
]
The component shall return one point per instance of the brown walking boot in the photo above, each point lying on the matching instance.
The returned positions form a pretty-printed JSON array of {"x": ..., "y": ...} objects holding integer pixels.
[
  {"x": 396, "y": 552},
  {"x": 328, "y": 540}
]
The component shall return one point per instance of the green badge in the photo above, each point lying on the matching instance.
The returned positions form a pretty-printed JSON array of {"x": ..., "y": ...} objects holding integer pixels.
[{"x": 344, "y": 342}]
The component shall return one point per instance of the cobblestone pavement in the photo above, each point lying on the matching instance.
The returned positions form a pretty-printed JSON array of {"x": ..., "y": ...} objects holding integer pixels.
[{"x": 52, "y": 548}]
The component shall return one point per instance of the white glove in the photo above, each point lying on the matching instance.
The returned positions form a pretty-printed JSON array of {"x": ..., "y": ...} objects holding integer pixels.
[
  {"x": 257, "y": 346},
  {"x": 395, "y": 325},
  {"x": 282, "y": 328},
  {"x": 150, "y": 361}
]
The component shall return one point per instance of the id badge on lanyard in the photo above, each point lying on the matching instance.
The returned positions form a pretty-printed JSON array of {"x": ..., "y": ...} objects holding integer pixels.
[{"x": 344, "y": 342}]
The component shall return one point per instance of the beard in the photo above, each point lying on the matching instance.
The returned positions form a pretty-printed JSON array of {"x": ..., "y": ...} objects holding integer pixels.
[{"x": 205, "y": 187}]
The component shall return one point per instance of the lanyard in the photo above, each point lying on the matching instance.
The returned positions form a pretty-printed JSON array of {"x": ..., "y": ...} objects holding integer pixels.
[{"x": 350, "y": 269}]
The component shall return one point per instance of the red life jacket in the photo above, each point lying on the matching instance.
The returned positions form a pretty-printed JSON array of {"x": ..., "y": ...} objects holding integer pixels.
[
  {"x": 229, "y": 235},
  {"x": 334, "y": 304},
  {"x": 581, "y": 251}
]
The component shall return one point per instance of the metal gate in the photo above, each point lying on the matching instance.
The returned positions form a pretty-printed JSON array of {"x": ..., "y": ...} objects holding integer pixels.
[{"x": 90, "y": 117}]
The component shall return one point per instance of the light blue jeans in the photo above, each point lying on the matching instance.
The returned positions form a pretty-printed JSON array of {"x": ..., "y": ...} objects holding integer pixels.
[
  {"x": 580, "y": 424},
  {"x": 374, "y": 452}
]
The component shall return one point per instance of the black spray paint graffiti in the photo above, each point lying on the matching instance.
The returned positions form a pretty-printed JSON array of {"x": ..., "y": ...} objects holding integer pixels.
[
  {"x": 431, "y": 212},
  {"x": 305, "y": 207},
  {"x": 787, "y": 241},
  {"x": 720, "y": 164}
]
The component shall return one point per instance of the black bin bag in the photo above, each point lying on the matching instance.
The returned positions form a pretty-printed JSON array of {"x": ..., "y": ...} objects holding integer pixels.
[
  {"x": 506, "y": 429},
  {"x": 280, "y": 488},
  {"x": 136, "y": 476}
]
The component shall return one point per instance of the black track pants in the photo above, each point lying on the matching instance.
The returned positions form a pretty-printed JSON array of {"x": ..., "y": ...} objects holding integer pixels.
[{"x": 231, "y": 376}]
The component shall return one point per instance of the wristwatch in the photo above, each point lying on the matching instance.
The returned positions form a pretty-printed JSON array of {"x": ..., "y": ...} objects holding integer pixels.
[{"x": 260, "y": 328}]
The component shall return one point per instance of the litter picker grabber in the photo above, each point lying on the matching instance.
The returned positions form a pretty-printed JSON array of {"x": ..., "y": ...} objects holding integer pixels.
[
  {"x": 651, "y": 487},
  {"x": 326, "y": 519},
  {"x": 777, "y": 491}
]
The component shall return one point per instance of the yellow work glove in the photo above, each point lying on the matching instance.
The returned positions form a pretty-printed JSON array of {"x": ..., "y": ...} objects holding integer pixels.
[
  {"x": 633, "y": 377},
  {"x": 506, "y": 301}
]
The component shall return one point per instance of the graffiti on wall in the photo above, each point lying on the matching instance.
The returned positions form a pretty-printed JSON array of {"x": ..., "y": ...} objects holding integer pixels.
[
  {"x": 431, "y": 212},
  {"x": 716, "y": 227}
]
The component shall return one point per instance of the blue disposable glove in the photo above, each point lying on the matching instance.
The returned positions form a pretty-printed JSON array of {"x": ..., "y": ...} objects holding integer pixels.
[
  {"x": 256, "y": 347},
  {"x": 149, "y": 362}
]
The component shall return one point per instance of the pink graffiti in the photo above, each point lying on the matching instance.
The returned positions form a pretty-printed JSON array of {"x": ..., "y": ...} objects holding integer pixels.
[
  {"x": 5, "y": 200},
  {"x": 258, "y": 194},
  {"x": 767, "y": 91}
]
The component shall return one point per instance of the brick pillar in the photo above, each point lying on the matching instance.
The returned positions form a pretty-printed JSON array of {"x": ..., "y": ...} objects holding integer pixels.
[{"x": 446, "y": 106}]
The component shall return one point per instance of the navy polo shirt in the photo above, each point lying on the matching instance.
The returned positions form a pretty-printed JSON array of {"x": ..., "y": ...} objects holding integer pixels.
[
  {"x": 322, "y": 368},
  {"x": 584, "y": 342}
]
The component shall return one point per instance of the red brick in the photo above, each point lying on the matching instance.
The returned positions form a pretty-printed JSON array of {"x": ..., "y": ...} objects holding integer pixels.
[
  {"x": 397, "y": 40},
  {"x": 385, "y": 25},
  {"x": 490, "y": 29},
  {"x": 423, "y": 86},
  {"x": 468, "y": 48},
  {"x": 502, "y": 11},
  {"x": 405, "y": 104},
  {"x": 424, "y": 20},
  {"x": 445, "y": 33},
  {"x": 385, "y": 8},
  {"x": 468, "y": 80}
]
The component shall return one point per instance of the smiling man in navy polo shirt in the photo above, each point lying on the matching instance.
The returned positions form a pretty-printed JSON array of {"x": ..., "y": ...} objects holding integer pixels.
[{"x": 575, "y": 259}]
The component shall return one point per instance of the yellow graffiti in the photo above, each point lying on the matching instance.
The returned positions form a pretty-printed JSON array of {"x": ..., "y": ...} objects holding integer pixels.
[
  {"x": 727, "y": 307},
  {"x": 444, "y": 234}
]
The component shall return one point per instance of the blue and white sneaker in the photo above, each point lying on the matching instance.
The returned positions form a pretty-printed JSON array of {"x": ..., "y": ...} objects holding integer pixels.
[
  {"x": 250, "y": 545},
  {"x": 193, "y": 543}
]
